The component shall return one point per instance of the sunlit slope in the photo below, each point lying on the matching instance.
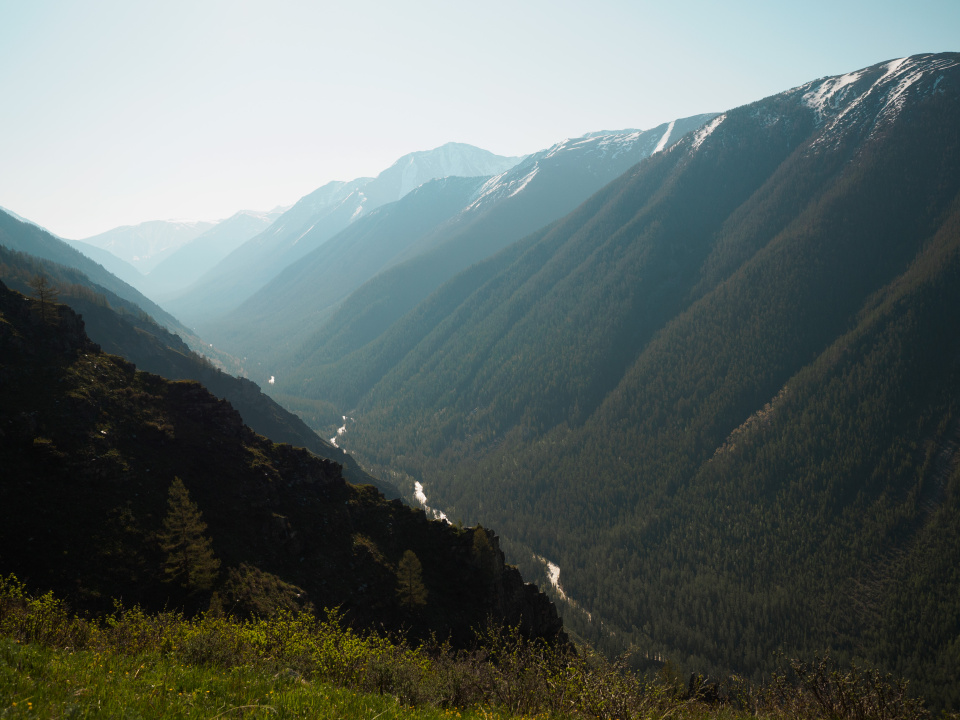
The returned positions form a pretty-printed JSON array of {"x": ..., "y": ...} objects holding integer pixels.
[
  {"x": 28, "y": 238},
  {"x": 720, "y": 395},
  {"x": 316, "y": 218},
  {"x": 276, "y": 319},
  {"x": 544, "y": 187}
]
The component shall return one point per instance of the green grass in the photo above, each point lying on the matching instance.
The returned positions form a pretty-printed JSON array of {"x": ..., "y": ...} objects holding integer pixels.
[
  {"x": 44, "y": 682},
  {"x": 295, "y": 665}
]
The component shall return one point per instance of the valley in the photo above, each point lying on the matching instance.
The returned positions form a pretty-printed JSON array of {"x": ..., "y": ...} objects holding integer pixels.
[{"x": 701, "y": 379}]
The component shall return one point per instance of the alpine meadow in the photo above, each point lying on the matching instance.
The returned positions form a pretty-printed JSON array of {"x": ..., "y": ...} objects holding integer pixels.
[{"x": 643, "y": 422}]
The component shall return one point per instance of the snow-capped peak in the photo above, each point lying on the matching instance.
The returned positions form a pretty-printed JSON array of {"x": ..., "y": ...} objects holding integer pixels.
[
  {"x": 595, "y": 152},
  {"x": 874, "y": 95},
  {"x": 863, "y": 102}
]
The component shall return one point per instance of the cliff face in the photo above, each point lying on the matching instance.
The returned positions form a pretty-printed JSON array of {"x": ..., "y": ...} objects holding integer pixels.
[
  {"x": 521, "y": 603},
  {"x": 90, "y": 448}
]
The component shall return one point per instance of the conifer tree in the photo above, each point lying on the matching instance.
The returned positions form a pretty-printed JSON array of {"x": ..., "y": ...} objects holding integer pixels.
[
  {"x": 410, "y": 587},
  {"x": 190, "y": 560},
  {"x": 46, "y": 294},
  {"x": 483, "y": 555}
]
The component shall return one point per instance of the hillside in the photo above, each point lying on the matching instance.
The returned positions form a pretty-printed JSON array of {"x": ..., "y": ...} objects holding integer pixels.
[
  {"x": 278, "y": 317},
  {"x": 146, "y": 245},
  {"x": 92, "y": 450},
  {"x": 26, "y": 237},
  {"x": 122, "y": 328},
  {"x": 188, "y": 262},
  {"x": 316, "y": 218},
  {"x": 720, "y": 395},
  {"x": 391, "y": 260}
]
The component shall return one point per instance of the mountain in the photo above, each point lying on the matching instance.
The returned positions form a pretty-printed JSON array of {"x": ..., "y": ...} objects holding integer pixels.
[
  {"x": 100, "y": 461},
  {"x": 122, "y": 328},
  {"x": 112, "y": 264},
  {"x": 28, "y": 238},
  {"x": 146, "y": 244},
  {"x": 185, "y": 265},
  {"x": 534, "y": 193},
  {"x": 316, "y": 218},
  {"x": 279, "y": 315},
  {"x": 413, "y": 170},
  {"x": 718, "y": 398}
]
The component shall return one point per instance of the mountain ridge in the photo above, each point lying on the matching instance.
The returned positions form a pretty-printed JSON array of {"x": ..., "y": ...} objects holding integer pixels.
[
  {"x": 578, "y": 389},
  {"x": 535, "y": 192},
  {"x": 93, "y": 449},
  {"x": 313, "y": 220}
]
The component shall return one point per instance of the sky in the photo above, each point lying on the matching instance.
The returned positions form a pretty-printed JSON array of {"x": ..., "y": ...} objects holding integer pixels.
[{"x": 115, "y": 112}]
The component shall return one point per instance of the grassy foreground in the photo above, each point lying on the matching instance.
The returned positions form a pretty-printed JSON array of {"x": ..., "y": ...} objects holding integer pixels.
[
  {"x": 45, "y": 682},
  {"x": 134, "y": 665}
]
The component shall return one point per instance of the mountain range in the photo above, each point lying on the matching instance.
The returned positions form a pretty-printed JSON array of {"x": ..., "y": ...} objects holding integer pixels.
[
  {"x": 390, "y": 260},
  {"x": 122, "y": 328},
  {"x": 316, "y": 218},
  {"x": 146, "y": 244},
  {"x": 702, "y": 378},
  {"x": 98, "y": 457},
  {"x": 718, "y": 395}
]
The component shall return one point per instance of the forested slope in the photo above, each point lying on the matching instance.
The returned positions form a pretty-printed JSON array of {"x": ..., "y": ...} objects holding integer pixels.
[
  {"x": 122, "y": 328},
  {"x": 119, "y": 485},
  {"x": 537, "y": 192},
  {"x": 721, "y": 395},
  {"x": 25, "y": 237}
]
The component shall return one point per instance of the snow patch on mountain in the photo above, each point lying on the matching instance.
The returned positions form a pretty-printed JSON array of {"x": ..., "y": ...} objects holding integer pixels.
[
  {"x": 593, "y": 145},
  {"x": 666, "y": 136},
  {"x": 705, "y": 132},
  {"x": 871, "y": 98},
  {"x": 525, "y": 180},
  {"x": 620, "y": 143},
  {"x": 506, "y": 184},
  {"x": 615, "y": 143},
  {"x": 896, "y": 96},
  {"x": 831, "y": 92}
]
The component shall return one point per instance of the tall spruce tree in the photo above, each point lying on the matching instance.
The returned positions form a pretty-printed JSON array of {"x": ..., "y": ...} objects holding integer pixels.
[
  {"x": 410, "y": 588},
  {"x": 190, "y": 560}
]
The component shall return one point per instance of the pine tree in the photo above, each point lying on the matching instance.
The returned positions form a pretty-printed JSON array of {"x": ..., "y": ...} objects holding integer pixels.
[
  {"x": 190, "y": 560},
  {"x": 46, "y": 294},
  {"x": 484, "y": 556},
  {"x": 410, "y": 587}
]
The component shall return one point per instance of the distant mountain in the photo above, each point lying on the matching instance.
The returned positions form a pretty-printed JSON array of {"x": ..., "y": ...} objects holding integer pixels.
[
  {"x": 26, "y": 237},
  {"x": 719, "y": 397},
  {"x": 316, "y": 218},
  {"x": 185, "y": 265},
  {"x": 94, "y": 454},
  {"x": 304, "y": 294},
  {"x": 388, "y": 283},
  {"x": 14, "y": 215},
  {"x": 148, "y": 243},
  {"x": 450, "y": 160},
  {"x": 112, "y": 264}
]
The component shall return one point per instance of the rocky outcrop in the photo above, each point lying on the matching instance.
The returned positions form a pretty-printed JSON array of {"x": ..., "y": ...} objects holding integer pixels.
[{"x": 522, "y": 603}]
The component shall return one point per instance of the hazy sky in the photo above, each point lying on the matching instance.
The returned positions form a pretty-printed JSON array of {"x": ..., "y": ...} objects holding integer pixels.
[{"x": 117, "y": 112}]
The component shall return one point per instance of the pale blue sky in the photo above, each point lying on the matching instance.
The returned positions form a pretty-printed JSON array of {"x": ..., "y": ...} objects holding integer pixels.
[{"x": 117, "y": 112}]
